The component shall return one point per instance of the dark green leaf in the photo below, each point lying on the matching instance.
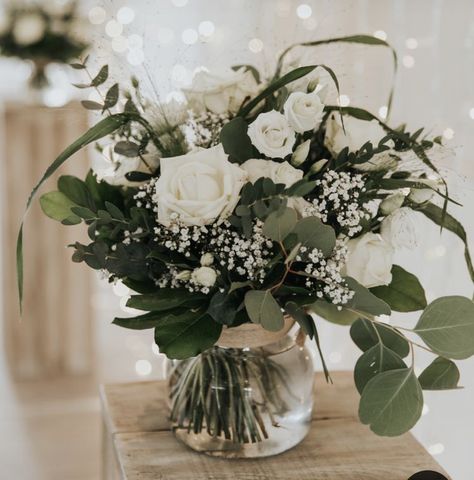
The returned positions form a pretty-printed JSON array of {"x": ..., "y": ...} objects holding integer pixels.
[
  {"x": 77, "y": 191},
  {"x": 331, "y": 313},
  {"x": 111, "y": 97},
  {"x": 441, "y": 374},
  {"x": 127, "y": 149},
  {"x": 101, "y": 77},
  {"x": 312, "y": 233},
  {"x": 164, "y": 299},
  {"x": 280, "y": 224},
  {"x": 304, "y": 320},
  {"x": 223, "y": 307},
  {"x": 300, "y": 188},
  {"x": 235, "y": 140},
  {"x": 263, "y": 309},
  {"x": 141, "y": 322},
  {"x": 114, "y": 211},
  {"x": 404, "y": 294},
  {"x": 90, "y": 105},
  {"x": 365, "y": 301}
]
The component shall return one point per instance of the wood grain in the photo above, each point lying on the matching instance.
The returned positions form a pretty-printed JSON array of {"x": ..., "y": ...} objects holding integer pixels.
[
  {"x": 338, "y": 446},
  {"x": 54, "y": 337}
]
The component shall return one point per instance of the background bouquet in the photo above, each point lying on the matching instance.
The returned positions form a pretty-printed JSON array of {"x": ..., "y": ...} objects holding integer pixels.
[{"x": 258, "y": 203}]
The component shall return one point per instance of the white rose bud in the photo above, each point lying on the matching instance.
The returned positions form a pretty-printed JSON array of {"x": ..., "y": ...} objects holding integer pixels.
[
  {"x": 301, "y": 153},
  {"x": 318, "y": 166},
  {"x": 204, "y": 276},
  {"x": 423, "y": 195},
  {"x": 278, "y": 172},
  {"x": 271, "y": 135},
  {"x": 184, "y": 276},
  {"x": 207, "y": 259},
  {"x": 399, "y": 229},
  {"x": 392, "y": 203},
  {"x": 304, "y": 111},
  {"x": 29, "y": 29},
  {"x": 370, "y": 260}
]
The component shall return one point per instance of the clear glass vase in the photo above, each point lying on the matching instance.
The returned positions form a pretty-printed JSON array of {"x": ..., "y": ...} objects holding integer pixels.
[{"x": 243, "y": 402}]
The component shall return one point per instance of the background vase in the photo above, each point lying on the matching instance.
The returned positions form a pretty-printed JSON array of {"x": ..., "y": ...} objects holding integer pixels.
[{"x": 243, "y": 402}]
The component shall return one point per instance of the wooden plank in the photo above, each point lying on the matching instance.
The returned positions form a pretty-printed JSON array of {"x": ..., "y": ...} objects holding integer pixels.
[{"x": 142, "y": 406}]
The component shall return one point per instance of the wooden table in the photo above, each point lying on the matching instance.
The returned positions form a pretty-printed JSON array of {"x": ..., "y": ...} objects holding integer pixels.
[{"x": 139, "y": 446}]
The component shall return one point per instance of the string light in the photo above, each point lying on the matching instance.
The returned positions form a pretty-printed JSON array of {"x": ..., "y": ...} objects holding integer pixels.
[
  {"x": 408, "y": 61},
  {"x": 97, "y": 15},
  {"x": 125, "y": 15},
  {"x": 206, "y": 28},
  {"x": 255, "y": 45},
  {"x": 304, "y": 11},
  {"x": 344, "y": 100},
  {"x": 143, "y": 368},
  {"x": 383, "y": 111},
  {"x": 448, "y": 133},
  {"x": 113, "y": 28},
  {"x": 436, "y": 449},
  {"x": 119, "y": 44},
  {"x": 411, "y": 43},
  {"x": 189, "y": 36},
  {"x": 380, "y": 34}
]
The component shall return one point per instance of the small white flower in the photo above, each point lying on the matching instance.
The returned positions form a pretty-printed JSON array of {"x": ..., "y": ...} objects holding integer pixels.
[
  {"x": 304, "y": 111},
  {"x": 399, "y": 228},
  {"x": 392, "y": 203},
  {"x": 207, "y": 259},
  {"x": 204, "y": 276},
  {"x": 369, "y": 260},
  {"x": 271, "y": 135},
  {"x": 199, "y": 187},
  {"x": 278, "y": 172},
  {"x": 28, "y": 29}
]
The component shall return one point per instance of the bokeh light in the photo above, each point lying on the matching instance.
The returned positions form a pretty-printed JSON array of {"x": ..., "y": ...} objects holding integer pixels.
[{"x": 255, "y": 45}]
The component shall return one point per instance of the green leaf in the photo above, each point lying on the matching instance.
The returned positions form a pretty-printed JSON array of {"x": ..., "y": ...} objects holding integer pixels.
[
  {"x": 375, "y": 360},
  {"x": 235, "y": 140},
  {"x": 441, "y": 374},
  {"x": 140, "y": 322},
  {"x": 163, "y": 299},
  {"x": 331, "y": 313},
  {"x": 114, "y": 211},
  {"x": 77, "y": 191},
  {"x": 127, "y": 149},
  {"x": 250, "y": 68},
  {"x": 90, "y": 105},
  {"x": 112, "y": 96},
  {"x": 302, "y": 317},
  {"x": 58, "y": 207},
  {"x": 364, "y": 301},
  {"x": 435, "y": 214},
  {"x": 301, "y": 188},
  {"x": 280, "y": 224},
  {"x": 263, "y": 309},
  {"x": 391, "y": 402},
  {"x": 447, "y": 327},
  {"x": 223, "y": 307},
  {"x": 101, "y": 77},
  {"x": 77, "y": 66},
  {"x": 404, "y": 294},
  {"x": 312, "y": 233},
  {"x": 186, "y": 335},
  {"x": 364, "y": 334}
]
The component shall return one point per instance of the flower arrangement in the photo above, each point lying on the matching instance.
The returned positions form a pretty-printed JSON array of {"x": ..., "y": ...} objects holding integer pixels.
[
  {"x": 255, "y": 202},
  {"x": 41, "y": 34}
]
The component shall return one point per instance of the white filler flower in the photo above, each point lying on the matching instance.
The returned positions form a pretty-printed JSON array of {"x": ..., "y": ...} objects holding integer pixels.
[
  {"x": 304, "y": 111},
  {"x": 198, "y": 188},
  {"x": 370, "y": 260},
  {"x": 29, "y": 28},
  {"x": 271, "y": 135},
  {"x": 399, "y": 229},
  {"x": 204, "y": 276}
]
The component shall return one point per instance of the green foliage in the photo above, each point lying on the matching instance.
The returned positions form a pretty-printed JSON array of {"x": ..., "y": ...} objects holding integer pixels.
[
  {"x": 441, "y": 374},
  {"x": 186, "y": 335},
  {"x": 364, "y": 301},
  {"x": 101, "y": 77},
  {"x": 58, "y": 207},
  {"x": 111, "y": 97},
  {"x": 373, "y": 361},
  {"x": 312, "y": 233},
  {"x": 235, "y": 140},
  {"x": 367, "y": 334},
  {"x": 391, "y": 402},
  {"x": 223, "y": 307},
  {"x": 263, "y": 309},
  {"x": 331, "y": 313},
  {"x": 164, "y": 299},
  {"x": 280, "y": 224},
  {"x": 404, "y": 294},
  {"x": 447, "y": 327},
  {"x": 77, "y": 191}
]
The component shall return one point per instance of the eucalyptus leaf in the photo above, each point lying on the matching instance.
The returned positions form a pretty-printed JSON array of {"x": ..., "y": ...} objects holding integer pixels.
[
  {"x": 112, "y": 97},
  {"x": 101, "y": 77},
  {"x": 164, "y": 299},
  {"x": 58, "y": 207},
  {"x": 263, "y": 309},
  {"x": 364, "y": 301},
  {"x": 280, "y": 224},
  {"x": 441, "y": 374},
  {"x": 391, "y": 402},
  {"x": 404, "y": 294},
  {"x": 331, "y": 313},
  {"x": 375, "y": 360},
  {"x": 91, "y": 105},
  {"x": 312, "y": 233},
  {"x": 447, "y": 327}
]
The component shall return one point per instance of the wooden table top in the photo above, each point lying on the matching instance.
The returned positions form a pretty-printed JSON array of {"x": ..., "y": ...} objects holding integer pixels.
[{"x": 338, "y": 446}]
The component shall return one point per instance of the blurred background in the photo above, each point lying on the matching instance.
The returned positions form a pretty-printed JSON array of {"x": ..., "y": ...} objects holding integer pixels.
[{"x": 55, "y": 357}]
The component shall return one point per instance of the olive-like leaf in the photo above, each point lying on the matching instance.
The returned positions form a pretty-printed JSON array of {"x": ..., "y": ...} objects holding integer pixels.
[{"x": 441, "y": 374}]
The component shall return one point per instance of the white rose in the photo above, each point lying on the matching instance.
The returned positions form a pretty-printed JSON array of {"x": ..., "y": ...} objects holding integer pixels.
[
  {"x": 112, "y": 167},
  {"x": 392, "y": 203},
  {"x": 304, "y": 111},
  {"x": 221, "y": 92},
  {"x": 277, "y": 172},
  {"x": 399, "y": 229},
  {"x": 28, "y": 29},
  {"x": 199, "y": 187},
  {"x": 369, "y": 260},
  {"x": 358, "y": 132},
  {"x": 271, "y": 135},
  {"x": 204, "y": 276},
  {"x": 422, "y": 195}
]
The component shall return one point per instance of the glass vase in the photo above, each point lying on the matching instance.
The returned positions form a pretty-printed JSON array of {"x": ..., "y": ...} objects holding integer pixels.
[{"x": 243, "y": 402}]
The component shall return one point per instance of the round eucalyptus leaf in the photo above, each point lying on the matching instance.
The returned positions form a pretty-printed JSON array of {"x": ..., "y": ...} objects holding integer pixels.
[
  {"x": 447, "y": 327},
  {"x": 279, "y": 224},
  {"x": 441, "y": 374},
  {"x": 376, "y": 360},
  {"x": 313, "y": 233},
  {"x": 58, "y": 207},
  {"x": 263, "y": 309},
  {"x": 391, "y": 402}
]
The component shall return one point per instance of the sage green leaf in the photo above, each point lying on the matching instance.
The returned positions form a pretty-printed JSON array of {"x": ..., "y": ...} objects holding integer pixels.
[
  {"x": 441, "y": 374},
  {"x": 235, "y": 140},
  {"x": 58, "y": 207},
  {"x": 164, "y": 299},
  {"x": 263, "y": 309},
  {"x": 391, "y": 402},
  {"x": 301, "y": 188},
  {"x": 90, "y": 105},
  {"x": 404, "y": 294},
  {"x": 312, "y": 233},
  {"x": 447, "y": 327},
  {"x": 364, "y": 301},
  {"x": 302, "y": 317},
  {"x": 332, "y": 314},
  {"x": 101, "y": 77},
  {"x": 375, "y": 360},
  {"x": 280, "y": 224},
  {"x": 127, "y": 149},
  {"x": 112, "y": 97},
  {"x": 364, "y": 335},
  {"x": 435, "y": 214},
  {"x": 186, "y": 335},
  {"x": 76, "y": 190}
]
